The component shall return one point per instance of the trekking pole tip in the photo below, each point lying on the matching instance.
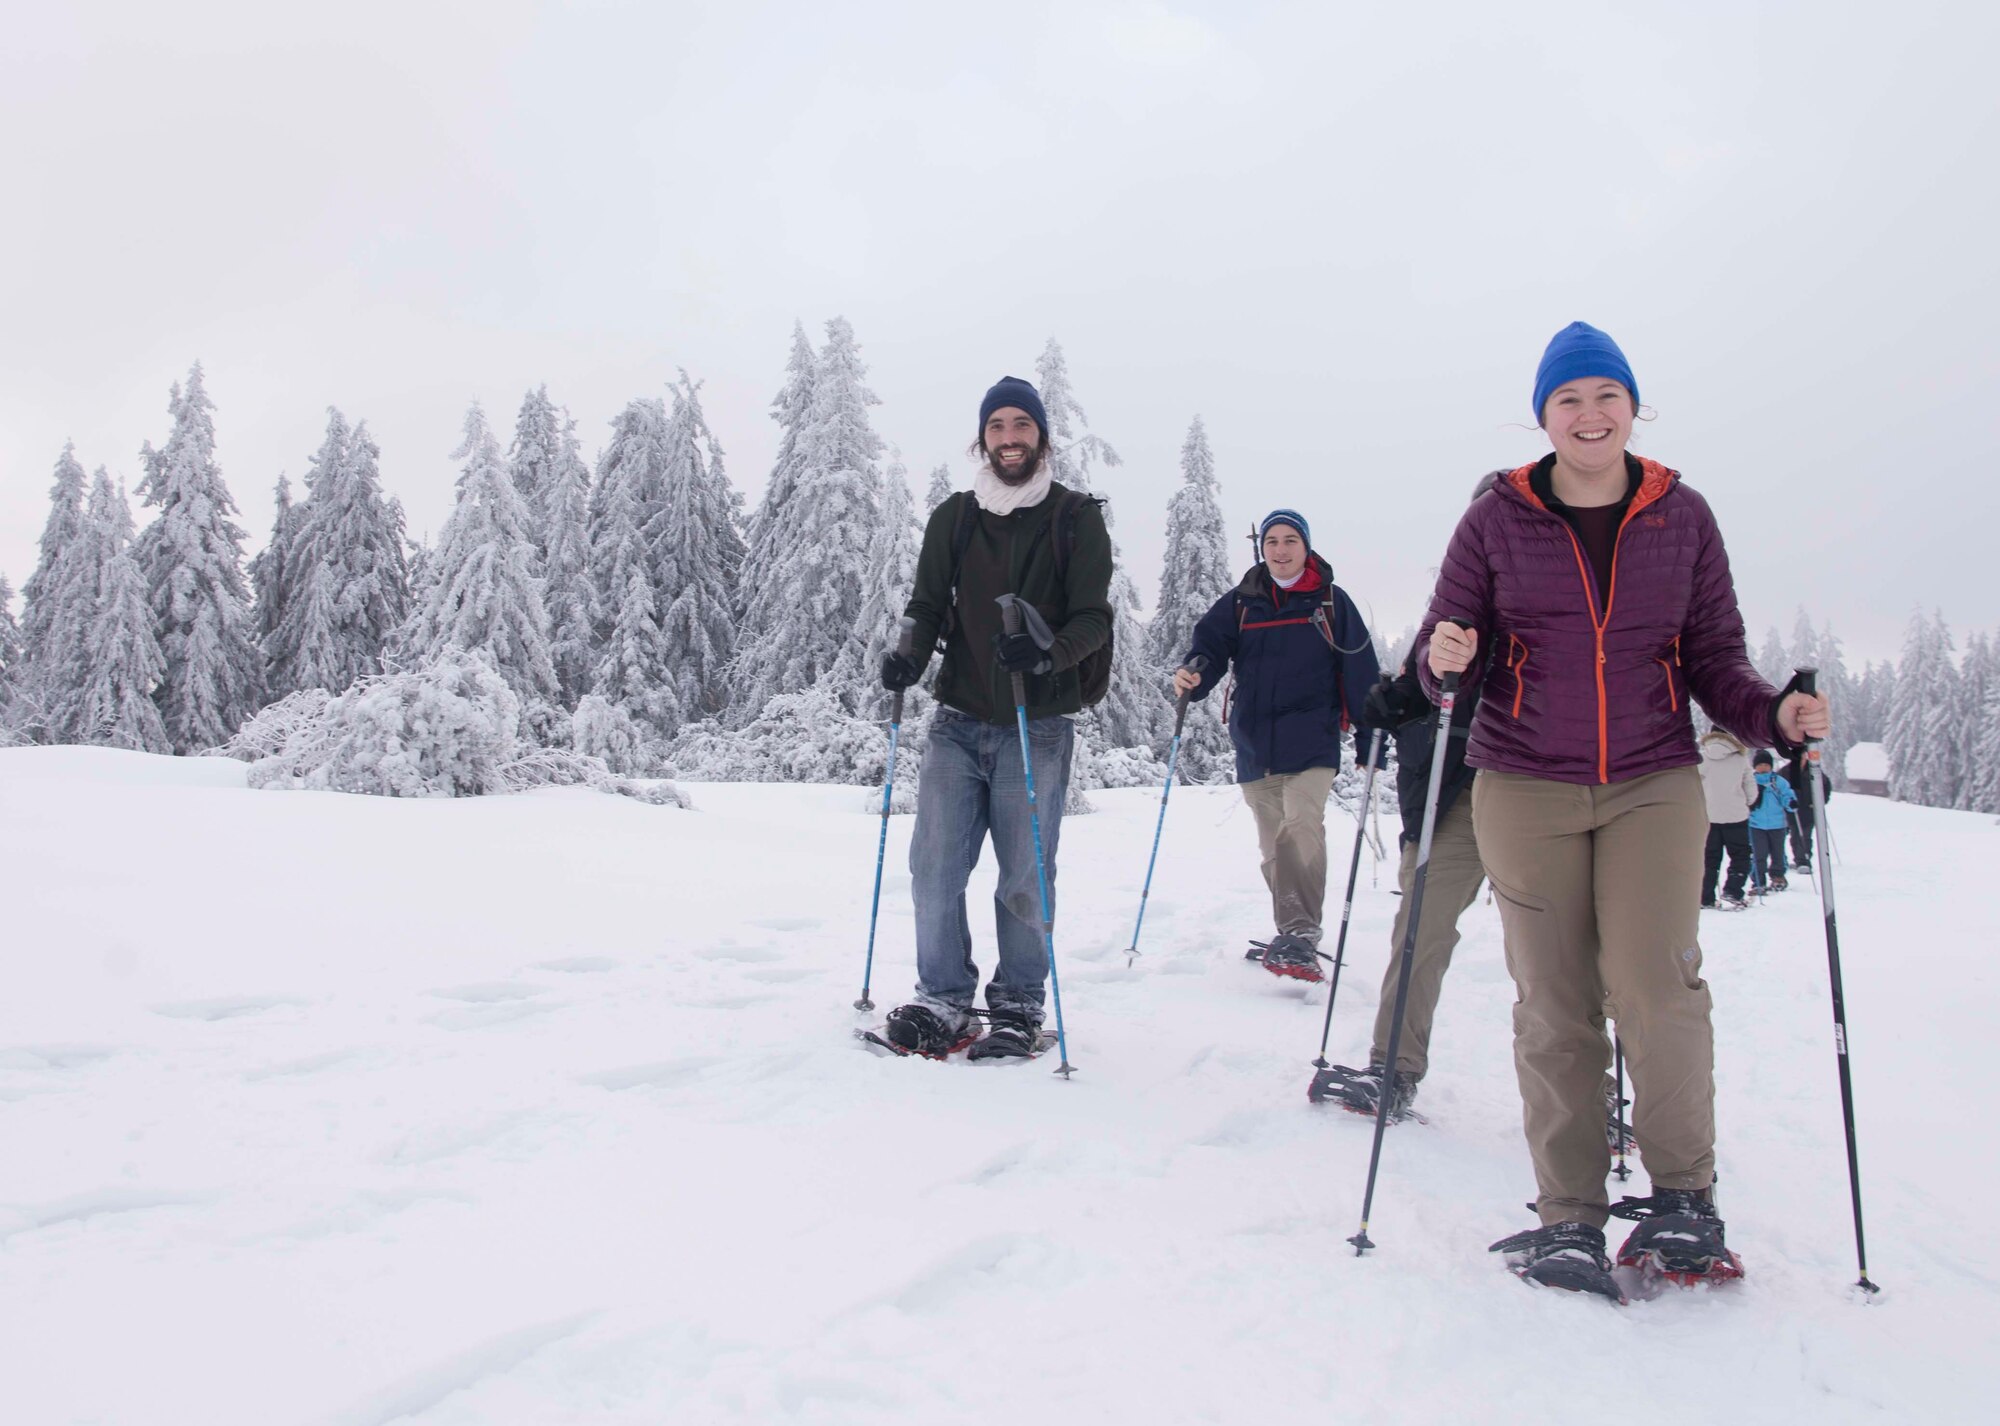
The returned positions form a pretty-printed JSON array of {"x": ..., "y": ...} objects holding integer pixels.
[
  {"x": 1864, "y": 1291},
  {"x": 1361, "y": 1242},
  {"x": 864, "y": 1003}
]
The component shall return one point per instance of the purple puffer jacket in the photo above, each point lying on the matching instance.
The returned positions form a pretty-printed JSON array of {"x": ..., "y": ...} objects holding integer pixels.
[{"x": 1573, "y": 697}]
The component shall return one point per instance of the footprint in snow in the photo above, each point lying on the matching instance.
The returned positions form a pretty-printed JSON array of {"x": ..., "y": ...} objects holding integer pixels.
[
  {"x": 54, "y": 1057},
  {"x": 225, "y": 1007},
  {"x": 665, "y": 1074},
  {"x": 487, "y": 993},
  {"x": 580, "y": 965}
]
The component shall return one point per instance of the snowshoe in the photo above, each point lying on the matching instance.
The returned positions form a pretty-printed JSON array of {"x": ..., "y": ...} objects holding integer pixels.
[
  {"x": 1287, "y": 955},
  {"x": 920, "y": 1030},
  {"x": 1732, "y": 903},
  {"x": 1010, "y": 1035},
  {"x": 1678, "y": 1237},
  {"x": 1360, "y": 1092},
  {"x": 1565, "y": 1255},
  {"x": 1778, "y": 883}
]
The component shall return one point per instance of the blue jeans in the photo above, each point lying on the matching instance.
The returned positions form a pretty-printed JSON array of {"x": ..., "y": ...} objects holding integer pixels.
[{"x": 972, "y": 785}]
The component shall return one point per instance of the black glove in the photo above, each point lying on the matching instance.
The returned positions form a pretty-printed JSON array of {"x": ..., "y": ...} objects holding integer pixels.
[
  {"x": 899, "y": 671},
  {"x": 1018, "y": 653},
  {"x": 1388, "y": 705}
]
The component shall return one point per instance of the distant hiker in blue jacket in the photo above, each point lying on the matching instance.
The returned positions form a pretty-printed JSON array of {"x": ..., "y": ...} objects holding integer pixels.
[
  {"x": 1775, "y": 801},
  {"x": 1304, "y": 662}
]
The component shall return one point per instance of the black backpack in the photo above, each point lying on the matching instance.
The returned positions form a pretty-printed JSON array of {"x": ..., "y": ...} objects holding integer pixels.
[{"x": 1093, "y": 671}]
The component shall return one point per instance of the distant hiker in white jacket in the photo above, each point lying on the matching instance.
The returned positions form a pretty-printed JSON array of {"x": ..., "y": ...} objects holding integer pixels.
[{"x": 1731, "y": 791}]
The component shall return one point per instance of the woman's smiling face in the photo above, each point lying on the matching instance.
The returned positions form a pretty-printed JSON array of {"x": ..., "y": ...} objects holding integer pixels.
[{"x": 1588, "y": 422}]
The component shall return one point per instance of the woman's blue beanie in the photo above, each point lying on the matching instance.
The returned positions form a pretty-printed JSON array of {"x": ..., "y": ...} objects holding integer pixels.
[
  {"x": 1286, "y": 517},
  {"x": 1012, "y": 391},
  {"x": 1577, "y": 351}
]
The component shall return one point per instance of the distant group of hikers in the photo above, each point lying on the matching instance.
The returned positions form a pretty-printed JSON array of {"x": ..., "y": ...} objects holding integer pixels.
[{"x": 1584, "y": 602}]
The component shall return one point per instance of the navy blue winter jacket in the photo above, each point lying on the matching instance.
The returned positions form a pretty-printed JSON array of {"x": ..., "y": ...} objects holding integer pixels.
[{"x": 1304, "y": 664}]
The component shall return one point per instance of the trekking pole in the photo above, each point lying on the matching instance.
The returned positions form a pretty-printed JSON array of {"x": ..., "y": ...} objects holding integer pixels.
[
  {"x": 905, "y": 634},
  {"x": 1447, "y": 700},
  {"x": 1806, "y": 680},
  {"x": 1347, "y": 907},
  {"x": 1197, "y": 664},
  {"x": 1010, "y": 620},
  {"x": 1618, "y": 1104}
]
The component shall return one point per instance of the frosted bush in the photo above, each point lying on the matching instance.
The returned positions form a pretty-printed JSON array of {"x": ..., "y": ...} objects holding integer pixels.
[
  {"x": 447, "y": 728},
  {"x": 295, "y": 717},
  {"x": 799, "y": 737},
  {"x": 603, "y": 730},
  {"x": 1127, "y": 767}
]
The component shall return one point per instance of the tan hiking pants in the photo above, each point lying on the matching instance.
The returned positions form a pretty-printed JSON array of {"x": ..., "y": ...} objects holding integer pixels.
[
  {"x": 1290, "y": 808},
  {"x": 1449, "y": 887},
  {"x": 1599, "y": 890}
]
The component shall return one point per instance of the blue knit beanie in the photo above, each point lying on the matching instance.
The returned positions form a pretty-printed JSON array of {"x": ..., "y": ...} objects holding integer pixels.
[
  {"x": 1285, "y": 517},
  {"x": 1577, "y": 351},
  {"x": 1012, "y": 391}
]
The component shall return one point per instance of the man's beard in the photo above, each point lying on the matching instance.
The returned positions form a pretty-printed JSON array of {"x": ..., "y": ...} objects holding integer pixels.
[{"x": 1020, "y": 476}]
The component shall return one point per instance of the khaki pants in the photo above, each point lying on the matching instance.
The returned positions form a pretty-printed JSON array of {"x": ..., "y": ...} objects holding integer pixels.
[
  {"x": 1599, "y": 893},
  {"x": 1449, "y": 887},
  {"x": 1290, "y": 808}
]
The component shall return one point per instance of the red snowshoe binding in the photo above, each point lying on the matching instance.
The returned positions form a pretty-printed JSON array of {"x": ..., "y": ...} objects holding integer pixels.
[{"x": 1678, "y": 1237}]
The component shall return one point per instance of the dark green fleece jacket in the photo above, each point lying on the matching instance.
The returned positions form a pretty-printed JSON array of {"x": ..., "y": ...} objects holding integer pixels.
[{"x": 1011, "y": 554}]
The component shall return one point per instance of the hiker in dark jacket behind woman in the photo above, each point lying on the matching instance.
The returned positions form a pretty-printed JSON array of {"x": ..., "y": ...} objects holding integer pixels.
[
  {"x": 1304, "y": 663},
  {"x": 1588, "y": 597},
  {"x": 1398, "y": 707}
]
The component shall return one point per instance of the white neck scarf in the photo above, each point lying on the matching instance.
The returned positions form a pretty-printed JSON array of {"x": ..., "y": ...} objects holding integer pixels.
[
  {"x": 997, "y": 497},
  {"x": 1288, "y": 583}
]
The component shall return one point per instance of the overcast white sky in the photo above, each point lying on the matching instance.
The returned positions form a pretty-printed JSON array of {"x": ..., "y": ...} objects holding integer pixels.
[{"x": 1342, "y": 233}]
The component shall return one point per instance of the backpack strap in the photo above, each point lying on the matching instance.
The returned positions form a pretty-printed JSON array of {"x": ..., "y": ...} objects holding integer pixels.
[
  {"x": 964, "y": 523},
  {"x": 1068, "y": 505}
]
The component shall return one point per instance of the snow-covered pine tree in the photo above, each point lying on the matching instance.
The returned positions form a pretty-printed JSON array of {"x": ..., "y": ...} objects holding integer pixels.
[
  {"x": 566, "y": 587},
  {"x": 1774, "y": 661},
  {"x": 10, "y": 651},
  {"x": 792, "y": 409},
  {"x": 891, "y": 574},
  {"x": 1842, "y": 691},
  {"x": 808, "y": 596},
  {"x": 1976, "y": 680},
  {"x": 1874, "y": 693},
  {"x": 271, "y": 587},
  {"x": 1133, "y": 713},
  {"x": 1984, "y": 772},
  {"x": 940, "y": 488},
  {"x": 122, "y": 663},
  {"x": 60, "y": 603},
  {"x": 486, "y": 598},
  {"x": 696, "y": 557},
  {"x": 350, "y": 584},
  {"x": 631, "y": 672},
  {"x": 533, "y": 460},
  {"x": 192, "y": 558},
  {"x": 1920, "y": 736},
  {"x": 1193, "y": 575}
]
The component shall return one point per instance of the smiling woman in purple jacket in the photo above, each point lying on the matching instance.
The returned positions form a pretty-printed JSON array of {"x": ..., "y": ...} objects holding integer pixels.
[{"x": 1588, "y": 597}]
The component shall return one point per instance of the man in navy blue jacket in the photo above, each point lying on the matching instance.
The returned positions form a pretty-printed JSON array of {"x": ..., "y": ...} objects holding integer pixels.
[{"x": 1304, "y": 663}]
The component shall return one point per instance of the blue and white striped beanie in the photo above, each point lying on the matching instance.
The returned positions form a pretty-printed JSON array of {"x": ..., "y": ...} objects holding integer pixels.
[{"x": 1286, "y": 517}]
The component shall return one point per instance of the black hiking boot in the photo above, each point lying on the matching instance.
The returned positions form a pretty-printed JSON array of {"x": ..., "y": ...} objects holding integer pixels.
[
  {"x": 920, "y": 1030},
  {"x": 1565, "y": 1255},
  {"x": 1360, "y": 1091},
  {"x": 1012, "y": 1033},
  {"x": 1292, "y": 956},
  {"x": 1679, "y": 1236}
]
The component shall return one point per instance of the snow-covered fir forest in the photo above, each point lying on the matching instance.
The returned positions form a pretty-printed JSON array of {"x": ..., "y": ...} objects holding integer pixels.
[{"x": 624, "y": 619}]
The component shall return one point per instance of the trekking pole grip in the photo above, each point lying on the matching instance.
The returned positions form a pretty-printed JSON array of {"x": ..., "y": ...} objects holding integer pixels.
[
  {"x": 906, "y": 643},
  {"x": 1196, "y": 665}
]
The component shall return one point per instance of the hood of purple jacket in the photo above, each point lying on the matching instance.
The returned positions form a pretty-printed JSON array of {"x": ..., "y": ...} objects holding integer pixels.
[{"x": 1575, "y": 694}]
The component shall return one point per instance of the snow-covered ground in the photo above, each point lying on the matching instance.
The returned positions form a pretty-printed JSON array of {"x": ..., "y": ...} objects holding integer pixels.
[{"x": 546, "y": 1109}]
